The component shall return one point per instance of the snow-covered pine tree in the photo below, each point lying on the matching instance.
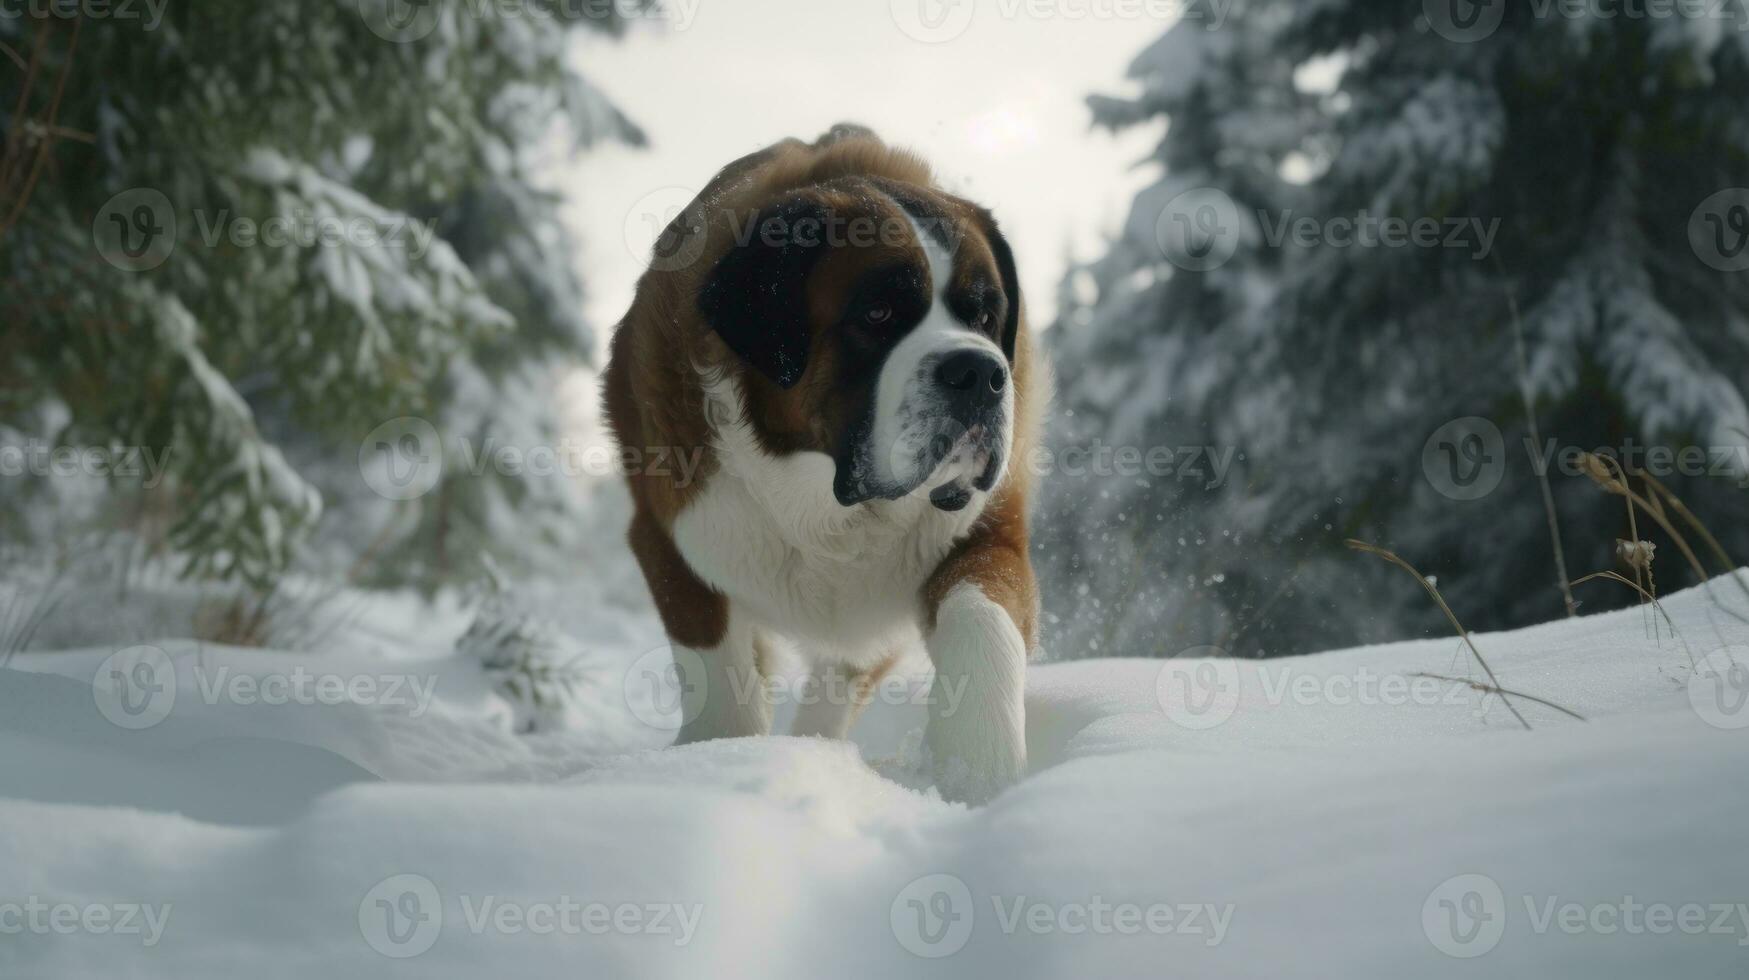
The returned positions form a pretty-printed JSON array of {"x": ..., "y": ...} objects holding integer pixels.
[
  {"x": 146, "y": 306},
  {"x": 1605, "y": 148}
]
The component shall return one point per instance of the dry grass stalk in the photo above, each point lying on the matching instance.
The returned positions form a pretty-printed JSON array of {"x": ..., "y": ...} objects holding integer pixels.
[
  {"x": 23, "y": 617},
  {"x": 1648, "y": 597},
  {"x": 1614, "y": 480},
  {"x": 236, "y": 621},
  {"x": 286, "y": 617},
  {"x": 1476, "y": 685},
  {"x": 1528, "y": 397},
  {"x": 1392, "y": 557},
  {"x": 1609, "y": 475},
  {"x": 1706, "y": 536}
]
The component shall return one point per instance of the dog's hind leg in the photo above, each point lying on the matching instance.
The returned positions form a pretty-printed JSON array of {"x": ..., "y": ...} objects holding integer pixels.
[
  {"x": 837, "y": 695},
  {"x": 719, "y": 655}
]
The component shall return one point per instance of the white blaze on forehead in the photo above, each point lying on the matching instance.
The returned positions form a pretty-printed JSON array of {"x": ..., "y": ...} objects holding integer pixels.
[
  {"x": 908, "y": 412},
  {"x": 940, "y": 259}
]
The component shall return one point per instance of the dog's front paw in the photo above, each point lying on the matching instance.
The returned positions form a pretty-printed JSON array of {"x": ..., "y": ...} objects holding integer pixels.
[{"x": 977, "y": 706}]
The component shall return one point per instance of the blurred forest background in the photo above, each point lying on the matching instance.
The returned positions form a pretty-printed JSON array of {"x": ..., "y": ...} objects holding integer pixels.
[
  {"x": 1608, "y": 155},
  {"x": 1586, "y": 174}
]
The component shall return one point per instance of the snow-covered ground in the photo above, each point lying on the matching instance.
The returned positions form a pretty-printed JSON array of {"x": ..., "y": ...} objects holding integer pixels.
[{"x": 1335, "y": 815}]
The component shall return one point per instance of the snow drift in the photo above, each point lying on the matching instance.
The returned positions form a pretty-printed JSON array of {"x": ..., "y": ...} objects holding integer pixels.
[{"x": 1340, "y": 814}]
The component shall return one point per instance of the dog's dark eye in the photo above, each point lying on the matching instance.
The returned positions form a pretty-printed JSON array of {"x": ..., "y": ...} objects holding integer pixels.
[
  {"x": 981, "y": 321},
  {"x": 877, "y": 315}
]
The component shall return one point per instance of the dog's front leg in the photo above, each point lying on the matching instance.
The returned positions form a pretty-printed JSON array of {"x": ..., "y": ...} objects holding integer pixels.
[
  {"x": 724, "y": 686},
  {"x": 981, "y": 609}
]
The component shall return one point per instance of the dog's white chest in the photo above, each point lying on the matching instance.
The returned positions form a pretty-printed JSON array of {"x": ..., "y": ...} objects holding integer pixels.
[{"x": 768, "y": 533}]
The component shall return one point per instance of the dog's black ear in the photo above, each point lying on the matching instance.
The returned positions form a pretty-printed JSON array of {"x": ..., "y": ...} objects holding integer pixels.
[
  {"x": 756, "y": 300},
  {"x": 1010, "y": 280}
]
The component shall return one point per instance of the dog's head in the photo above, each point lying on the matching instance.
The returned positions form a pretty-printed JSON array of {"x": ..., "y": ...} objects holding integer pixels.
[{"x": 874, "y": 321}]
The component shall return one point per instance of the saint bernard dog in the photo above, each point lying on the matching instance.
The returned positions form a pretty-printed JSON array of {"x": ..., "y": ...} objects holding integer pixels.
[{"x": 842, "y": 345}]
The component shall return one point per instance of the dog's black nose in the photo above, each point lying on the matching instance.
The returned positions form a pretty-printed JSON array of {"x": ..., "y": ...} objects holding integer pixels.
[{"x": 972, "y": 378}]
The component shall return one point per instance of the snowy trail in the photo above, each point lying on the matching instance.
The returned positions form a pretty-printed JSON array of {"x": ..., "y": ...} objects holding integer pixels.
[{"x": 1187, "y": 818}]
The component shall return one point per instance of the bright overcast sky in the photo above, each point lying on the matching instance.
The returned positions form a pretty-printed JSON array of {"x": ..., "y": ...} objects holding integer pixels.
[{"x": 995, "y": 103}]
